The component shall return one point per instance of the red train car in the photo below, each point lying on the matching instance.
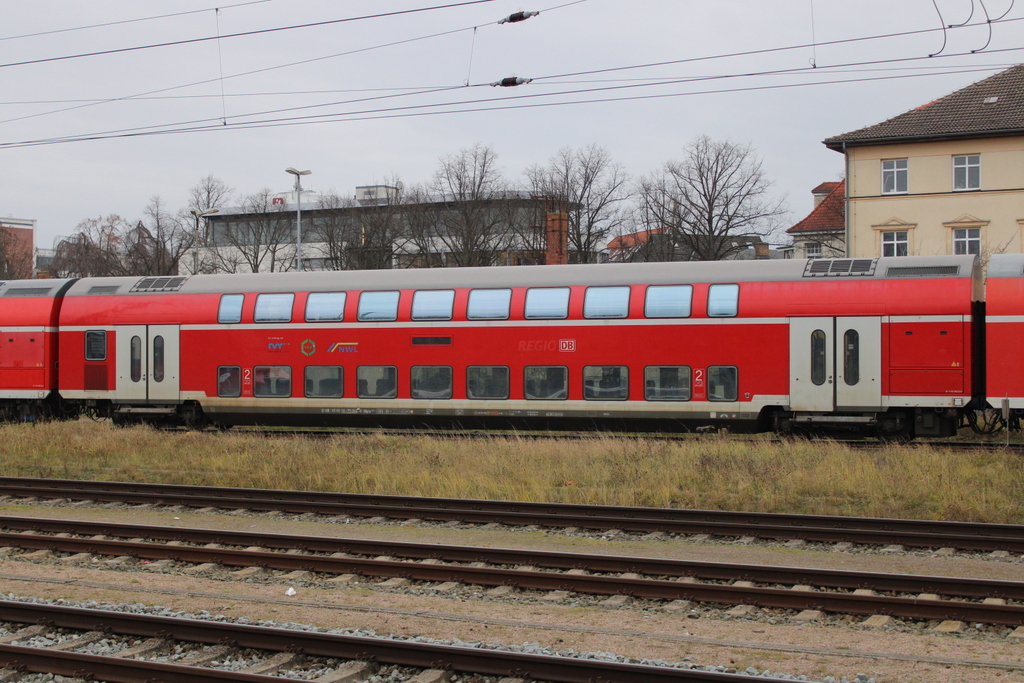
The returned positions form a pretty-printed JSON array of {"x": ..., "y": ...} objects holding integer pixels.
[
  {"x": 28, "y": 348},
  {"x": 878, "y": 345},
  {"x": 1004, "y": 330}
]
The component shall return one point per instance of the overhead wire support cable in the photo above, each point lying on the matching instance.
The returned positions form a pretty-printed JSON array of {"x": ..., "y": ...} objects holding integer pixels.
[{"x": 242, "y": 34}]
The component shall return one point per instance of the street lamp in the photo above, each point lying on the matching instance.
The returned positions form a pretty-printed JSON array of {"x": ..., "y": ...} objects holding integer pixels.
[
  {"x": 206, "y": 235},
  {"x": 298, "y": 214}
]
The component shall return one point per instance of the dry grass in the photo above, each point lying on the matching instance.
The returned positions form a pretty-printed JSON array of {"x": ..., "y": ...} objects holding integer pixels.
[{"x": 798, "y": 476}]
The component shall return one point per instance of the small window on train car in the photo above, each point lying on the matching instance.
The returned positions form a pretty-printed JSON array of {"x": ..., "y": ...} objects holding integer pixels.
[
  {"x": 325, "y": 307},
  {"x": 272, "y": 381},
  {"x": 229, "y": 381},
  {"x": 433, "y": 304},
  {"x": 723, "y": 383},
  {"x": 431, "y": 381},
  {"x": 606, "y": 302},
  {"x": 158, "y": 358},
  {"x": 723, "y": 301},
  {"x": 668, "y": 301},
  {"x": 377, "y": 381},
  {"x": 489, "y": 304},
  {"x": 487, "y": 382},
  {"x": 274, "y": 308},
  {"x": 230, "y": 308},
  {"x": 851, "y": 357},
  {"x": 374, "y": 306},
  {"x": 546, "y": 382},
  {"x": 667, "y": 383},
  {"x": 135, "y": 359},
  {"x": 96, "y": 345},
  {"x": 819, "y": 358},
  {"x": 605, "y": 382},
  {"x": 551, "y": 303},
  {"x": 324, "y": 381}
]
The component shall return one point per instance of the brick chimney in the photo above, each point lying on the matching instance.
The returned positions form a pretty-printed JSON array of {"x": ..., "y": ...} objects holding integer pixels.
[{"x": 557, "y": 238}]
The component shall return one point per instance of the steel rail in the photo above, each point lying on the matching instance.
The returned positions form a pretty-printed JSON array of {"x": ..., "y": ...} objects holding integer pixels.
[
  {"x": 765, "y": 597},
  {"x": 649, "y": 566},
  {"x": 818, "y": 528},
  {"x": 403, "y": 653}
]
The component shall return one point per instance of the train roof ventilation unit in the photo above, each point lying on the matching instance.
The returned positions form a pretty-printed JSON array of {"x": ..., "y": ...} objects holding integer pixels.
[
  {"x": 840, "y": 267},
  {"x": 921, "y": 271},
  {"x": 159, "y": 284},
  {"x": 103, "y": 289},
  {"x": 24, "y": 292}
]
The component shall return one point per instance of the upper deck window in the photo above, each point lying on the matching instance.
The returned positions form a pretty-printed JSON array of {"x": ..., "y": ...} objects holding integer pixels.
[
  {"x": 274, "y": 308},
  {"x": 723, "y": 301},
  {"x": 325, "y": 307},
  {"x": 230, "y": 308},
  {"x": 606, "y": 302},
  {"x": 376, "y": 306},
  {"x": 489, "y": 304},
  {"x": 433, "y": 304},
  {"x": 668, "y": 301},
  {"x": 550, "y": 303}
]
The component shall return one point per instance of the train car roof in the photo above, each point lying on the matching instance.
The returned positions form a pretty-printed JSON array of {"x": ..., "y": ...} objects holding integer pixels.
[
  {"x": 10, "y": 289},
  {"x": 1006, "y": 265},
  {"x": 788, "y": 270}
]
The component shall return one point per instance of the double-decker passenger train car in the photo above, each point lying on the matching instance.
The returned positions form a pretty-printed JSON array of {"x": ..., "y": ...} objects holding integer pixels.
[{"x": 879, "y": 346}]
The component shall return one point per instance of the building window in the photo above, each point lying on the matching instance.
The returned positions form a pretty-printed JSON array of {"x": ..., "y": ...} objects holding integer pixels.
[
  {"x": 967, "y": 173},
  {"x": 894, "y": 176},
  {"x": 967, "y": 241},
  {"x": 813, "y": 249},
  {"x": 895, "y": 243}
]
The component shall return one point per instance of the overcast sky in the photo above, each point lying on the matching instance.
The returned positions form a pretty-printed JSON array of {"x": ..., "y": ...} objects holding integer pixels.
[{"x": 390, "y": 96}]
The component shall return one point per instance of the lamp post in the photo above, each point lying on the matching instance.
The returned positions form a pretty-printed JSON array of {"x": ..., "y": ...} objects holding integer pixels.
[
  {"x": 298, "y": 214},
  {"x": 206, "y": 235}
]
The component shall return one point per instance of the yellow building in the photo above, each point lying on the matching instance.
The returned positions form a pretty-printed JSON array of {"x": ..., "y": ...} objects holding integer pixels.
[{"x": 944, "y": 178}]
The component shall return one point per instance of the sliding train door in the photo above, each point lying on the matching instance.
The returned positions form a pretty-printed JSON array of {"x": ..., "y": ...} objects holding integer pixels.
[
  {"x": 835, "y": 363},
  {"x": 148, "y": 363}
]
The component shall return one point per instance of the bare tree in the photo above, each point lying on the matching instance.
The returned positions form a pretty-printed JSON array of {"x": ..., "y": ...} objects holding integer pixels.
[
  {"x": 469, "y": 229},
  {"x": 588, "y": 186},
  {"x": 15, "y": 256},
  {"x": 710, "y": 204},
  {"x": 205, "y": 198},
  {"x": 96, "y": 249},
  {"x": 259, "y": 239},
  {"x": 359, "y": 237},
  {"x": 209, "y": 193},
  {"x": 157, "y": 243}
]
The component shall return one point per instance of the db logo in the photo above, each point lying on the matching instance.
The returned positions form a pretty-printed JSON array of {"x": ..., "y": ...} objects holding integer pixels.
[{"x": 566, "y": 344}]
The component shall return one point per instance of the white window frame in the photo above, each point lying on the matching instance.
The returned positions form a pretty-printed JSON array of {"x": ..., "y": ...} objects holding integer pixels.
[
  {"x": 895, "y": 169},
  {"x": 813, "y": 250},
  {"x": 966, "y": 237},
  {"x": 963, "y": 164},
  {"x": 895, "y": 242}
]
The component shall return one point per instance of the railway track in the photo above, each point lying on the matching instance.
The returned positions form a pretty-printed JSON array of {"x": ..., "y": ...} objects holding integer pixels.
[
  {"x": 677, "y": 584},
  {"x": 137, "y": 648},
  {"x": 1000, "y": 539}
]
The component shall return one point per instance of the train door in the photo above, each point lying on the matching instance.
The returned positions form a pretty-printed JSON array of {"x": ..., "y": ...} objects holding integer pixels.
[
  {"x": 147, "y": 363},
  {"x": 835, "y": 363}
]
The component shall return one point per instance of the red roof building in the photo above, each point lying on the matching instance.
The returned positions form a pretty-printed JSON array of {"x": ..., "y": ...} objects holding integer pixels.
[{"x": 822, "y": 234}]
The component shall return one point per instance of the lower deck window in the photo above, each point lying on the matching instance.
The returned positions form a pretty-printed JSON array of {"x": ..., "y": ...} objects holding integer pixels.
[
  {"x": 324, "y": 381},
  {"x": 96, "y": 345},
  {"x": 546, "y": 382},
  {"x": 723, "y": 383},
  {"x": 377, "y": 381},
  {"x": 487, "y": 382},
  {"x": 605, "y": 382},
  {"x": 272, "y": 381},
  {"x": 431, "y": 381},
  {"x": 667, "y": 383},
  {"x": 229, "y": 381}
]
